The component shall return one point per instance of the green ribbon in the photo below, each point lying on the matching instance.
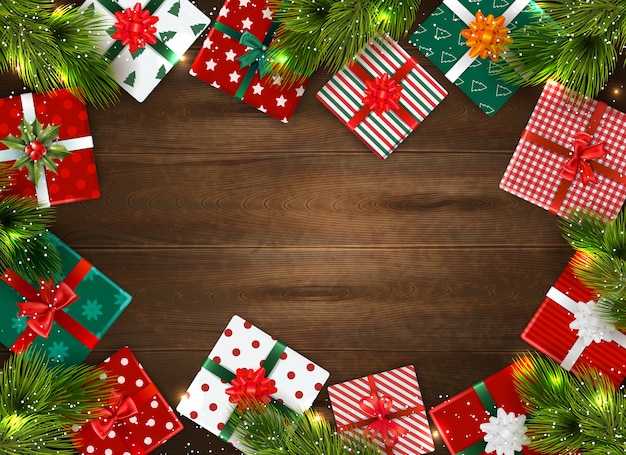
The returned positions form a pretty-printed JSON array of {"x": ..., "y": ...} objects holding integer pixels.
[
  {"x": 257, "y": 54},
  {"x": 490, "y": 406},
  {"x": 223, "y": 373},
  {"x": 160, "y": 47}
]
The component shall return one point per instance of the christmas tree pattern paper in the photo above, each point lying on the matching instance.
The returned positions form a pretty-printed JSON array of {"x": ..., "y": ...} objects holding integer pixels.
[
  {"x": 77, "y": 313},
  {"x": 231, "y": 59},
  {"x": 280, "y": 373},
  {"x": 439, "y": 38},
  {"x": 167, "y": 29}
]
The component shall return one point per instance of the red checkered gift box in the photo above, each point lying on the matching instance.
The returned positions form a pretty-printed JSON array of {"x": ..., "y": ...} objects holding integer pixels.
[
  {"x": 571, "y": 154},
  {"x": 487, "y": 418},
  {"x": 568, "y": 328},
  {"x": 403, "y": 428}
]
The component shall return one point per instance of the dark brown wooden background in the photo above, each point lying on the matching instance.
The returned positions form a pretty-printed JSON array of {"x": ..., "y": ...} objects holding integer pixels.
[{"x": 210, "y": 208}]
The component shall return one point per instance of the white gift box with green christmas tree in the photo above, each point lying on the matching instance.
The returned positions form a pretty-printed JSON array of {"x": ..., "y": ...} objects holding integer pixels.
[{"x": 145, "y": 40}]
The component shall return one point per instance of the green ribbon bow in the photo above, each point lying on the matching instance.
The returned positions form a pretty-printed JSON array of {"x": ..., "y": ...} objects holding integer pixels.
[{"x": 255, "y": 55}]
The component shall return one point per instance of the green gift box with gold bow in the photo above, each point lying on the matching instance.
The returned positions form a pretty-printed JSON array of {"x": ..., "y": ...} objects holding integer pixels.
[
  {"x": 146, "y": 39},
  {"x": 247, "y": 363},
  {"x": 473, "y": 68},
  {"x": 232, "y": 59}
]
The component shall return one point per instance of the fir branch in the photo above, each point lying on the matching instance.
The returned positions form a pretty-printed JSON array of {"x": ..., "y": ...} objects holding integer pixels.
[
  {"x": 266, "y": 430},
  {"x": 39, "y": 402},
  {"x": 570, "y": 414},
  {"x": 25, "y": 246}
]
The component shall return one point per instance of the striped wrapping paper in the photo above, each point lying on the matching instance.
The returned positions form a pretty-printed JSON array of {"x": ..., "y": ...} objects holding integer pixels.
[
  {"x": 546, "y": 146},
  {"x": 402, "y": 387},
  {"x": 383, "y": 133},
  {"x": 549, "y": 330}
]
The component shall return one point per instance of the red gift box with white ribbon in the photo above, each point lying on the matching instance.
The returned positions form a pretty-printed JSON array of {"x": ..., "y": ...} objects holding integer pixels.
[
  {"x": 387, "y": 407},
  {"x": 76, "y": 178},
  {"x": 138, "y": 418},
  {"x": 571, "y": 154},
  {"x": 568, "y": 328}
]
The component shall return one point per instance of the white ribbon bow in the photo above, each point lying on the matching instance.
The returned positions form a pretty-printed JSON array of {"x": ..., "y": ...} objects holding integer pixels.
[{"x": 505, "y": 433}]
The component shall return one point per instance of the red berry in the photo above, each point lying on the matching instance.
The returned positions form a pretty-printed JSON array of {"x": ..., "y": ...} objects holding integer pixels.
[{"x": 35, "y": 150}]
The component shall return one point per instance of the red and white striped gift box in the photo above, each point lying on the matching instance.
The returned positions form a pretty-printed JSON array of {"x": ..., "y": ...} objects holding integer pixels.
[
  {"x": 343, "y": 95},
  {"x": 352, "y": 400},
  {"x": 547, "y": 146},
  {"x": 549, "y": 330}
]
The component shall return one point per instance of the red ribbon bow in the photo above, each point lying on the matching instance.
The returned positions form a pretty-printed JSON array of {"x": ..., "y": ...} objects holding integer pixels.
[
  {"x": 378, "y": 408},
  {"x": 42, "y": 312},
  {"x": 123, "y": 409},
  {"x": 382, "y": 94},
  {"x": 250, "y": 386},
  {"x": 135, "y": 27},
  {"x": 583, "y": 152}
]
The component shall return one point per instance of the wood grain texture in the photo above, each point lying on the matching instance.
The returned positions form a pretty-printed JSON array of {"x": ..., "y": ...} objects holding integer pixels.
[{"x": 210, "y": 208}]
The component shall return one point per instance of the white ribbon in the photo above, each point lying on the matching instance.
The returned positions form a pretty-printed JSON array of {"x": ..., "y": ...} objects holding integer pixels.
[
  {"x": 505, "y": 433},
  {"x": 590, "y": 327},
  {"x": 78, "y": 143},
  {"x": 466, "y": 16}
]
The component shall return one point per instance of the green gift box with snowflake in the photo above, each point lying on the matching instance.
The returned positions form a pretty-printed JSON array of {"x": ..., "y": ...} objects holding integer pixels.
[
  {"x": 467, "y": 39},
  {"x": 65, "y": 317},
  {"x": 145, "y": 40}
]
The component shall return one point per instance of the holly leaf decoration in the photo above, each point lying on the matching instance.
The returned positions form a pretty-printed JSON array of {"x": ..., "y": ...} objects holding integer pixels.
[{"x": 37, "y": 144}]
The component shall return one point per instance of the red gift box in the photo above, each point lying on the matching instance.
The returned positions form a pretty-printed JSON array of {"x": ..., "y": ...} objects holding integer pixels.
[
  {"x": 76, "y": 178},
  {"x": 242, "y": 27},
  {"x": 139, "y": 419},
  {"x": 565, "y": 328},
  {"x": 459, "y": 418},
  {"x": 571, "y": 154}
]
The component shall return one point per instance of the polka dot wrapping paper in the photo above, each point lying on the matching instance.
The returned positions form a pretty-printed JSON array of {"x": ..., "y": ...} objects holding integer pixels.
[
  {"x": 218, "y": 63},
  {"x": 355, "y": 404},
  {"x": 76, "y": 325},
  {"x": 458, "y": 419},
  {"x": 374, "y": 74},
  {"x": 298, "y": 381},
  {"x": 546, "y": 150},
  {"x": 76, "y": 178},
  {"x": 179, "y": 24},
  {"x": 567, "y": 329},
  {"x": 146, "y": 422}
]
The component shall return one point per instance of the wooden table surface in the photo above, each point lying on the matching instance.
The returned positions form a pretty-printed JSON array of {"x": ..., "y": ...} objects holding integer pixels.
[{"x": 210, "y": 208}]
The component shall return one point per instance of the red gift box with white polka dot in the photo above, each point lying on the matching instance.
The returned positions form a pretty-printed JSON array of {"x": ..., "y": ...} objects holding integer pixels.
[
  {"x": 298, "y": 381},
  {"x": 76, "y": 178},
  {"x": 150, "y": 423},
  {"x": 217, "y": 63}
]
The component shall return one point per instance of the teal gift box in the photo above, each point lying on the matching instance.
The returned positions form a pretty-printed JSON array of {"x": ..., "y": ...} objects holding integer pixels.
[
  {"x": 439, "y": 38},
  {"x": 66, "y": 318}
]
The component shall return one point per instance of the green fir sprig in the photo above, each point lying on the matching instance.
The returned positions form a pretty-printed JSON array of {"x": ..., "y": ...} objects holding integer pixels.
[
  {"x": 51, "y": 48},
  {"x": 39, "y": 403},
  {"x": 602, "y": 264},
  {"x": 25, "y": 246},
  {"x": 315, "y": 34},
  {"x": 576, "y": 43},
  {"x": 267, "y": 430},
  {"x": 569, "y": 414}
]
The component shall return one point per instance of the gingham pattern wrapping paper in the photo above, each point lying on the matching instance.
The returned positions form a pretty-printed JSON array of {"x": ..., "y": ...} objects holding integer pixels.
[
  {"x": 420, "y": 94},
  {"x": 401, "y": 385},
  {"x": 533, "y": 172}
]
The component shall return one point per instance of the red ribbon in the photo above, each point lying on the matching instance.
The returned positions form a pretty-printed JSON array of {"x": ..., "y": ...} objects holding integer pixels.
[
  {"x": 400, "y": 74},
  {"x": 382, "y": 94},
  {"x": 41, "y": 311},
  {"x": 250, "y": 386},
  {"x": 135, "y": 27},
  {"x": 583, "y": 153},
  {"x": 379, "y": 408},
  {"x": 380, "y": 421},
  {"x": 38, "y": 306},
  {"x": 122, "y": 409}
]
